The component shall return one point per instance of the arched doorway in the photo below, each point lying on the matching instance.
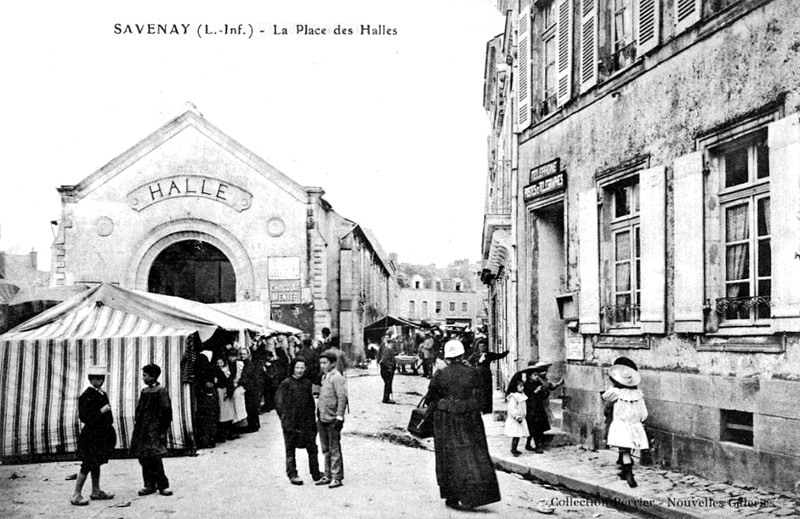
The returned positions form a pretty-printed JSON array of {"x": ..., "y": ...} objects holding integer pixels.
[{"x": 195, "y": 270}]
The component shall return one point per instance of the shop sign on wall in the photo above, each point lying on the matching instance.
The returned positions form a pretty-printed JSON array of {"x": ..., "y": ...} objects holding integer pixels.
[
  {"x": 284, "y": 280},
  {"x": 545, "y": 179},
  {"x": 575, "y": 348},
  {"x": 190, "y": 185}
]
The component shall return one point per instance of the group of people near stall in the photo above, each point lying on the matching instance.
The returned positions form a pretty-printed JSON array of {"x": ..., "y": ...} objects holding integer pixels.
[{"x": 233, "y": 383}]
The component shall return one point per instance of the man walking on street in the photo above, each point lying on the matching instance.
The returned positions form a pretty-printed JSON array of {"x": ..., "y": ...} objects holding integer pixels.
[
  {"x": 387, "y": 364},
  {"x": 331, "y": 406},
  {"x": 295, "y": 406}
]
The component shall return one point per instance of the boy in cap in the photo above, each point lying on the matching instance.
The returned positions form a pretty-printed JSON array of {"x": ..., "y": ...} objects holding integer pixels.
[
  {"x": 97, "y": 438},
  {"x": 151, "y": 424}
]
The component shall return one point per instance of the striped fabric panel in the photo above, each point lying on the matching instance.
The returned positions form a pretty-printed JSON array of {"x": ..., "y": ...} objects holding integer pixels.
[{"x": 41, "y": 381}]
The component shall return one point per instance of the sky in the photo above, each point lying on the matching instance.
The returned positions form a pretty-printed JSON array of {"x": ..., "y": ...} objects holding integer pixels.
[{"x": 392, "y": 127}]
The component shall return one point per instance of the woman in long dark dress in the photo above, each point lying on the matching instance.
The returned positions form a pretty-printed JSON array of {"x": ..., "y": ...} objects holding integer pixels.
[
  {"x": 482, "y": 360},
  {"x": 464, "y": 469}
]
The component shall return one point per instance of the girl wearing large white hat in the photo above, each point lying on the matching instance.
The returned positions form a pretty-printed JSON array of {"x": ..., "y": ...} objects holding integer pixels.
[{"x": 626, "y": 432}]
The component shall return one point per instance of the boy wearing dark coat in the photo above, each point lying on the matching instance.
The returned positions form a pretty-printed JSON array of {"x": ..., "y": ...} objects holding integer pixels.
[
  {"x": 151, "y": 424},
  {"x": 295, "y": 405},
  {"x": 97, "y": 438}
]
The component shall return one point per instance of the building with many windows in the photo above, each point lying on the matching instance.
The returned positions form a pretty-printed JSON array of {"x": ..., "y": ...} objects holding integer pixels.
[
  {"x": 655, "y": 142},
  {"x": 446, "y": 296}
]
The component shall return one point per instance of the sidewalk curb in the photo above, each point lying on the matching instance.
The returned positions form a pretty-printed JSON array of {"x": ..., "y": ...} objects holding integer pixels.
[{"x": 652, "y": 507}]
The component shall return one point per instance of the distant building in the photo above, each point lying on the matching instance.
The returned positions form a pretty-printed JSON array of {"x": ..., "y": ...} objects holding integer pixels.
[
  {"x": 22, "y": 270},
  {"x": 451, "y": 295},
  {"x": 190, "y": 212}
]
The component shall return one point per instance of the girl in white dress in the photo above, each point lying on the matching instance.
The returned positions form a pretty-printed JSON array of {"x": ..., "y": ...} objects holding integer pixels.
[
  {"x": 626, "y": 432},
  {"x": 515, "y": 427}
]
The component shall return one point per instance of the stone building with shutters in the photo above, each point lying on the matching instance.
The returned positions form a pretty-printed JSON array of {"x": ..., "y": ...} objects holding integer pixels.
[
  {"x": 190, "y": 212},
  {"x": 658, "y": 218}
]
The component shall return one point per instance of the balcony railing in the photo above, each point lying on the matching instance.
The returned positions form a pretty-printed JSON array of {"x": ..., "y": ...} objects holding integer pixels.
[
  {"x": 616, "y": 315},
  {"x": 742, "y": 307}
]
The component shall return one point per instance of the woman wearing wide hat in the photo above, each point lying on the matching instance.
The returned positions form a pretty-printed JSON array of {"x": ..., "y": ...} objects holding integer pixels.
[{"x": 626, "y": 432}]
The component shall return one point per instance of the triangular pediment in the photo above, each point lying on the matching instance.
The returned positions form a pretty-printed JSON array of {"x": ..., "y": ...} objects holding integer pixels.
[{"x": 189, "y": 120}]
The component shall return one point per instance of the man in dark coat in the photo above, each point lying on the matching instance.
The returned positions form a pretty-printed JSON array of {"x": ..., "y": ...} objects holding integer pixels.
[
  {"x": 482, "y": 360},
  {"x": 151, "y": 424},
  {"x": 252, "y": 382},
  {"x": 295, "y": 406},
  {"x": 387, "y": 364},
  {"x": 97, "y": 438}
]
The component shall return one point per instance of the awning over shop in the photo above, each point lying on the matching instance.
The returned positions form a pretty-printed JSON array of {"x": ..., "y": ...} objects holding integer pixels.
[
  {"x": 388, "y": 321},
  {"x": 257, "y": 312}
]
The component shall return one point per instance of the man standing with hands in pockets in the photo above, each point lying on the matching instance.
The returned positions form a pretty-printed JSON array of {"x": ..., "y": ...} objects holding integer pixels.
[{"x": 331, "y": 406}]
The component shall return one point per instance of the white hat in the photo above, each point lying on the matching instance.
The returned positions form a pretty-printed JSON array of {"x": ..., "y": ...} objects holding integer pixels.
[
  {"x": 453, "y": 349},
  {"x": 97, "y": 371}
]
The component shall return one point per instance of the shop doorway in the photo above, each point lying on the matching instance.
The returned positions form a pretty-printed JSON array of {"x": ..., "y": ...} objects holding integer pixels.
[
  {"x": 548, "y": 281},
  {"x": 195, "y": 270}
]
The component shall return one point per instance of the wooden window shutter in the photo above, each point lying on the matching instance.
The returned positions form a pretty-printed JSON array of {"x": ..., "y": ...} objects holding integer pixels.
[
  {"x": 648, "y": 25},
  {"x": 589, "y": 44},
  {"x": 589, "y": 262},
  {"x": 689, "y": 258},
  {"x": 564, "y": 61},
  {"x": 687, "y": 13},
  {"x": 524, "y": 69},
  {"x": 652, "y": 188},
  {"x": 783, "y": 139}
]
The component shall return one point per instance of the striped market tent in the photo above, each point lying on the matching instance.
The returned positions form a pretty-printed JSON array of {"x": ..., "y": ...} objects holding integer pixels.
[{"x": 44, "y": 364}]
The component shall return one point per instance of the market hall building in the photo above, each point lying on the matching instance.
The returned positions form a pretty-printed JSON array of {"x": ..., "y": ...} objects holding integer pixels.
[{"x": 190, "y": 212}]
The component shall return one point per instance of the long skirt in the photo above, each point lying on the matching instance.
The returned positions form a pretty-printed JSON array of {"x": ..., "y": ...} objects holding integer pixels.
[
  {"x": 485, "y": 391},
  {"x": 207, "y": 416},
  {"x": 464, "y": 470}
]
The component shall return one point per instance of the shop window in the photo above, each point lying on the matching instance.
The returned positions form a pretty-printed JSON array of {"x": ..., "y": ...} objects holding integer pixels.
[
  {"x": 623, "y": 252},
  {"x": 745, "y": 228},
  {"x": 736, "y": 427}
]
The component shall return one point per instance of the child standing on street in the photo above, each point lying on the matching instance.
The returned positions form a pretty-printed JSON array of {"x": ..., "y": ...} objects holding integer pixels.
[
  {"x": 151, "y": 424},
  {"x": 516, "y": 427},
  {"x": 97, "y": 438},
  {"x": 626, "y": 431}
]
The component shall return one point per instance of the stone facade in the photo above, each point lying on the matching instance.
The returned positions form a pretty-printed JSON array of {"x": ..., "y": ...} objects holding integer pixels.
[
  {"x": 190, "y": 181},
  {"x": 650, "y": 182}
]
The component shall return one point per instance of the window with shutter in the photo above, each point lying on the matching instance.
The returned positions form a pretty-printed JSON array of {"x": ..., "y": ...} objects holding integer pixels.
[
  {"x": 564, "y": 40},
  {"x": 784, "y": 156},
  {"x": 653, "y": 267},
  {"x": 588, "y": 262},
  {"x": 689, "y": 281},
  {"x": 687, "y": 13},
  {"x": 523, "y": 69},
  {"x": 648, "y": 25},
  {"x": 589, "y": 44}
]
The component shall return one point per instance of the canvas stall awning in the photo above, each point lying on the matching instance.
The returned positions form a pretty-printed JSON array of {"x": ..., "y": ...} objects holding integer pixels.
[
  {"x": 44, "y": 361},
  {"x": 257, "y": 312}
]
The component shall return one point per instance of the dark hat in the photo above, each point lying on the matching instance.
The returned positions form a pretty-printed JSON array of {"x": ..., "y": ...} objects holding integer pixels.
[
  {"x": 536, "y": 366},
  {"x": 625, "y": 361}
]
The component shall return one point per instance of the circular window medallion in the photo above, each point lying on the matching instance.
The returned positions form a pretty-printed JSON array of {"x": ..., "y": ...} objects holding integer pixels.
[
  {"x": 104, "y": 226},
  {"x": 275, "y": 227}
]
